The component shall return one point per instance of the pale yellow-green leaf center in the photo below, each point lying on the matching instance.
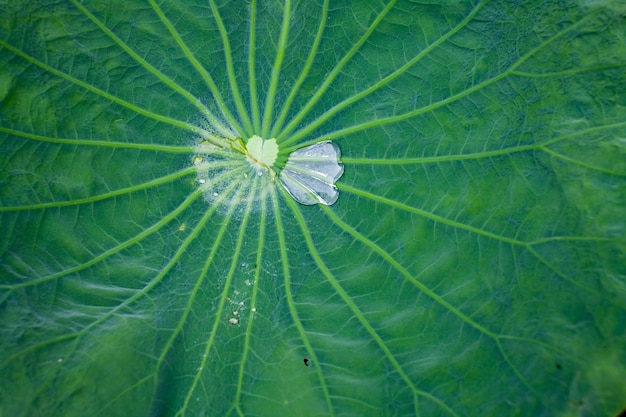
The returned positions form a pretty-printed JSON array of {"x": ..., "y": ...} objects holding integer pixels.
[{"x": 261, "y": 152}]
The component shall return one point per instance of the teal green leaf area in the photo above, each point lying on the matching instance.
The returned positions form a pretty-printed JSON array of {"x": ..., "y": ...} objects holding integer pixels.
[{"x": 474, "y": 263}]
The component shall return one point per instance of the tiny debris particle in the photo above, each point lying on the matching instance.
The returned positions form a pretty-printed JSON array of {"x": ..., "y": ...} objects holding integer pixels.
[
  {"x": 306, "y": 361},
  {"x": 233, "y": 321},
  {"x": 254, "y": 309},
  {"x": 201, "y": 180}
]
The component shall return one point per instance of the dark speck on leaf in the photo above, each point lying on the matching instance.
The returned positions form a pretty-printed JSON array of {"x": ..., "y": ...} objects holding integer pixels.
[{"x": 306, "y": 361}]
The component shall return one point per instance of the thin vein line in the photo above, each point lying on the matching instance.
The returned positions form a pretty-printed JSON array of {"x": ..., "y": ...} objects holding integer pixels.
[
  {"x": 223, "y": 296},
  {"x": 128, "y": 243},
  {"x": 253, "y": 301},
  {"x": 224, "y": 130},
  {"x": 565, "y": 73},
  {"x": 203, "y": 273},
  {"x": 437, "y": 159},
  {"x": 333, "y": 74},
  {"x": 254, "y": 99},
  {"x": 102, "y": 143},
  {"x": 384, "y": 81},
  {"x": 102, "y": 93},
  {"x": 168, "y": 81},
  {"x": 428, "y": 215},
  {"x": 401, "y": 117},
  {"x": 350, "y": 303},
  {"x": 141, "y": 293},
  {"x": 292, "y": 306},
  {"x": 232, "y": 79},
  {"x": 128, "y": 190},
  {"x": 394, "y": 263},
  {"x": 280, "y": 55},
  {"x": 305, "y": 72},
  {"x": 584, "y": 164}
]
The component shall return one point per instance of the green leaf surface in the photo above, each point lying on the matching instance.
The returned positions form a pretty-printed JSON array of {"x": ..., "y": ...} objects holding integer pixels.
[{"x": 474, "y": 263}]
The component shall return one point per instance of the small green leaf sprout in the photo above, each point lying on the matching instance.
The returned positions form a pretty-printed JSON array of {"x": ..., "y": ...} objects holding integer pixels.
[{"x": 262, "y": 153}]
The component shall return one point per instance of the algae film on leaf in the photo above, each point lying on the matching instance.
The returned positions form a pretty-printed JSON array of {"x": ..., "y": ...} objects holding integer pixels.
[{"x": 310, "y": 174}]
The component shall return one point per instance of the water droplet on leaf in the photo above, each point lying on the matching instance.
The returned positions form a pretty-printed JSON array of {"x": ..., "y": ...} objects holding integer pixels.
[{"x": 310, "y": 174}]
